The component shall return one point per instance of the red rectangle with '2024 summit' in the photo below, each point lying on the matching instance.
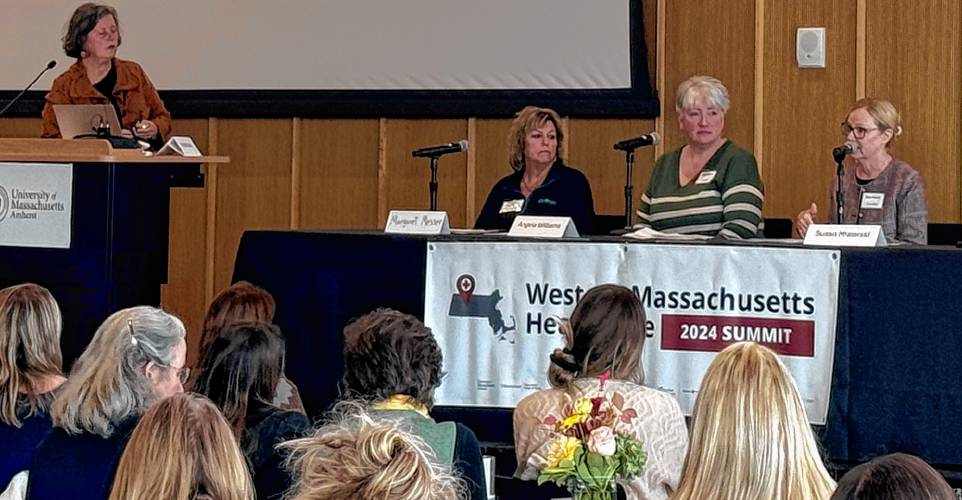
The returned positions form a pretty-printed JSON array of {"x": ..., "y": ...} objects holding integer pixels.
[{"x": 714, "y": 333}]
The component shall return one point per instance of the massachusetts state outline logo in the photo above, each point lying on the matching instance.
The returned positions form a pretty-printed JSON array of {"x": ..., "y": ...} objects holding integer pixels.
[{"x": 466, "y": 304}]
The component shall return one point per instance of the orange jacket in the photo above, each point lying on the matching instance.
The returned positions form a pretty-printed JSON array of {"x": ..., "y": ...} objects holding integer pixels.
[{"x": 135, "y": 94}]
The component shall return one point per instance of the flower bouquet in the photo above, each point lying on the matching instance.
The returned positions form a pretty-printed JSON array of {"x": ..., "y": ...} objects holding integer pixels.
[{"x": 591, "y": 449}]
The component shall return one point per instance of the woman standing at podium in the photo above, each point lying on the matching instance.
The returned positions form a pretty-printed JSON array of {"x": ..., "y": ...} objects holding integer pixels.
[{"x": 99, "y": 77}]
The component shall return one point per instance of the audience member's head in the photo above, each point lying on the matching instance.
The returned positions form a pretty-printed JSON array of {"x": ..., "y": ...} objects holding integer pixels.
[
  {"x": 182, "y": 449},
  {"x": 241, "y": 301},
  {"x": 360, "y": 457},
  {"x": 606, "y": 332},
  {"x": 136, "y": 357},
  {"x": 750, "y": 437},
  {"x": 243, "y": 364},
  {"x": 30, "y": 359},
  {"x": 388, "y": 353},
  {"x": 893, "y": 477}
]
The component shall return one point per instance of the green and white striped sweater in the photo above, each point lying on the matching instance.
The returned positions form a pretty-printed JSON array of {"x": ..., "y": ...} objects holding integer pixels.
[{"x": 726, "y": 203}]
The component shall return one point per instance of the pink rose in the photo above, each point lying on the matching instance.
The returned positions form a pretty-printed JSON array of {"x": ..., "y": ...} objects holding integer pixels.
[{"x": 602, "y": 441}]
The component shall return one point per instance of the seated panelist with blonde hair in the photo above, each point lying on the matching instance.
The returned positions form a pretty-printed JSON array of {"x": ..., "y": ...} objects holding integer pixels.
[
  {"x": 182, "y": 449},
  {"x": 541, "y": 183},
  {"x": 136, "y": 358},
  {"x": 709, "y": 186},
  {"x": 750, "y": 437},
  {"x": 877, "y": 188}
]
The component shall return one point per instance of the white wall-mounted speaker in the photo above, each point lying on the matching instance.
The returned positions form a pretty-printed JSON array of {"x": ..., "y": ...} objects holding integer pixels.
[{"x": 810, "y": 47}]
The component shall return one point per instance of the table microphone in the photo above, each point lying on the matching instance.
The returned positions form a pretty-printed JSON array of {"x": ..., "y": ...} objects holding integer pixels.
[
  {"x": 633, "y": 144},
  {"x": 454, "y": 147},
  {"x": 50, "y": 66},
  {"x": 844, "y": 150}
]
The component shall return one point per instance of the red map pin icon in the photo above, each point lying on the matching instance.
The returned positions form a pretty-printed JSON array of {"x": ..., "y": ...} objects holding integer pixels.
[{"x": 465, "y": 286}]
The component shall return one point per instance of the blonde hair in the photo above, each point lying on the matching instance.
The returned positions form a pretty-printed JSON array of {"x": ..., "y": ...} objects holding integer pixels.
[
  {"x": 698, "y": 88},
  {"x": 528, "y": 119},
  {"x": 182, "y": 449},
  {"x": 357, "y": 456},
  {"x": 750, "y": 437},
  {"x": 30, "y": 327},
  {"x": 108, "y": 382},
  {"x": 883, "y": 113}
]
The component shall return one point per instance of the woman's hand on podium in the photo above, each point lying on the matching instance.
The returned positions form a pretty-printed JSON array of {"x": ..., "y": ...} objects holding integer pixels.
[{"x": 145, "y": 129}]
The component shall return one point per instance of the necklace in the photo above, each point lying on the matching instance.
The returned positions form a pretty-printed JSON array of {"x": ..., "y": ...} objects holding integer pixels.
[{"x": 528, "y": 187}]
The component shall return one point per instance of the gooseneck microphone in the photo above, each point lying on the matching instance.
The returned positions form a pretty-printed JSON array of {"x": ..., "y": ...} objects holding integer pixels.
[
  {"x": 50, "y": 66},
  {"x": 435, "y": 151},
  {"x": 632, "y": 144},
  {"x": 844, "y": 150},
  {"x": 629, "y": 146}
]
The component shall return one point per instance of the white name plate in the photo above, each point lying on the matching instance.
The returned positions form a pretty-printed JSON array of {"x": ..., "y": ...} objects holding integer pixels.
[
  {"x": 417, "y": 222},
  {"x": 538, "y": 226},
  {"x": 180, "y": 146},
  {"x": 845, "y": 235}
]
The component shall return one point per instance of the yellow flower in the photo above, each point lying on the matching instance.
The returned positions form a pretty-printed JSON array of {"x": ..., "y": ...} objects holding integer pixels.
[
  {"x": 581, "y": 412},
  {"x": 563, "y": 448},
  {"x": 568, "y": 422},
  {"x": 583, "y": 405}
]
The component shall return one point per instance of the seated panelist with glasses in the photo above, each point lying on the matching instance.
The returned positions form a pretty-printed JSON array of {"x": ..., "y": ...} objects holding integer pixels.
[{"x": 876, "y": 187}]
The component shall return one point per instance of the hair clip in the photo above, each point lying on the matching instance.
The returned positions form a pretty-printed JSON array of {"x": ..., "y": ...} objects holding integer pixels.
[{"x": 130, "y": 325}]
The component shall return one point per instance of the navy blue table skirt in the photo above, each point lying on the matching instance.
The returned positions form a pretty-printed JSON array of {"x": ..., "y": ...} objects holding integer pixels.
[{"x": 897, "y": 384}]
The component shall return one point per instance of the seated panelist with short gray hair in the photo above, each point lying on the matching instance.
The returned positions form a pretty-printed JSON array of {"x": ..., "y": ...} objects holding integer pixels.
[{"x": 709, "y": 186}]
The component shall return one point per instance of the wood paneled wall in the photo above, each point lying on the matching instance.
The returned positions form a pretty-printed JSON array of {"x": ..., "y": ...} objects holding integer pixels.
[
  {"x": 347, "y": 173},
  {"x": 912, "y": 57}
]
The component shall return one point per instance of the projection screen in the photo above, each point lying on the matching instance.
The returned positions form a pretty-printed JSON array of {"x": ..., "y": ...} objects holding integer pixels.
[{"x": 258, "y": 57}]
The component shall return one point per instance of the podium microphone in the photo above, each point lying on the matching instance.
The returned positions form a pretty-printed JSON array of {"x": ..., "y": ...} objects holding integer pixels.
[
  {"x": 50, "y": 66},
  {"x": 633, "y": 144},
  {"x": 435, "y": 151},
  {"x": 844, "y": 150}
]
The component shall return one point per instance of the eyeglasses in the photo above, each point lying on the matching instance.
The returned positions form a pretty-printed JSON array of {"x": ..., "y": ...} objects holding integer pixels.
[
  {"x": 858, "y": 132},
  {"x": 183, "y": 373}
]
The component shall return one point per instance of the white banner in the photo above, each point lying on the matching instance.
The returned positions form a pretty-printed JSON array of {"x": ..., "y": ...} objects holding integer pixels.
[
  {"x": 35, "y": 204},
  {"x": 496, "y": 308}
]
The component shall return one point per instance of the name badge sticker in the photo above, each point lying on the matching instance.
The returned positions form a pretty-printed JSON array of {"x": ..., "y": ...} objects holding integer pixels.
[
  {"x": 873, "y": 200},
  {"x": 705, "y": 177},
  {"x": 511, "y": 206}
]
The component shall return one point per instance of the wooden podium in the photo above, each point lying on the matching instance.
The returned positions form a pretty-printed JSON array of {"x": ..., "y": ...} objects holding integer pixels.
[{"x": 119, "y": 231}]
